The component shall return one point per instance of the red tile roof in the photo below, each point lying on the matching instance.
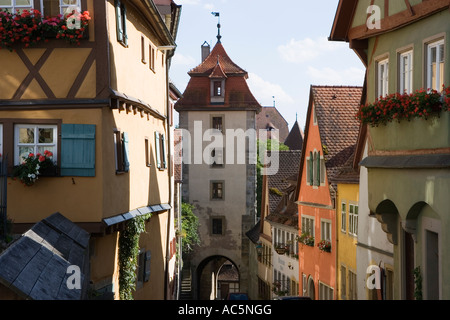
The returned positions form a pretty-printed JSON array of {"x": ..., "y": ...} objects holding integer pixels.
[
  {"x": 288, "y": 165},
  {"x": 218, "y": 56},
  {"x": 336, "y": 107},
  {"x": 197, "y": 95}
]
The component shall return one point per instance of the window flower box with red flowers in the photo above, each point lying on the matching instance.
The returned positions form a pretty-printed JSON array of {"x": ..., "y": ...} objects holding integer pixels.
[
  {"x": 307, "y": 239},
  {"x": 34, "y": 166},
  {"x": 420, "y": 120},
  {"x": 397, "y": 107},
  {"x": 324, "y": 246},
  {"x": 30, "y": 28}
]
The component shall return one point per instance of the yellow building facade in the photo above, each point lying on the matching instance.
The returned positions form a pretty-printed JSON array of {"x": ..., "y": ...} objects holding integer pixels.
[
  {"x": 347, "y": 205},
  {"x": 102, "y": 108}
]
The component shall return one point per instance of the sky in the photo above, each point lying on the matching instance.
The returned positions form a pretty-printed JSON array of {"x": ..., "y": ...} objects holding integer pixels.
[{"x": 283, "y": 45}]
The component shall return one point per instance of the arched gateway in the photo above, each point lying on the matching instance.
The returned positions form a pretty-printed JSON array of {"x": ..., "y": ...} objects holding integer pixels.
[{"x": 220, "y": 186}]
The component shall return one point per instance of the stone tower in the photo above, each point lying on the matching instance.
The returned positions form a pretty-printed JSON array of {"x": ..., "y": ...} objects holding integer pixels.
[{"x": 219, "y": 177}]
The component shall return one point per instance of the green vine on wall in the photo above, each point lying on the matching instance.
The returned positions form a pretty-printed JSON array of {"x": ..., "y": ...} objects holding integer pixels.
[
  {"x": 128, "y": 255},
  {"x": 418, "y": 284}
]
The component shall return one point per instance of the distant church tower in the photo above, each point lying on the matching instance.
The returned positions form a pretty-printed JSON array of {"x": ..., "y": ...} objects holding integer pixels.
[{"x": 224, "y": 194}]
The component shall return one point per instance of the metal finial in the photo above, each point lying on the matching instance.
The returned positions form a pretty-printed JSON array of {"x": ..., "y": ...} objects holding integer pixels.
[{"x": 217, "y": 14}]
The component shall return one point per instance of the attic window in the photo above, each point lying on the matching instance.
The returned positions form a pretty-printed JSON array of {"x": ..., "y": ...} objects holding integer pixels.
[
  {"x": 218, "y": 91},
  {"x": 217, "y": 88}
]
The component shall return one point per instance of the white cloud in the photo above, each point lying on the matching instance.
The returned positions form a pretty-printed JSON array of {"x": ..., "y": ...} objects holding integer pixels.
[
  {"x": 191, "y": 2},
  {"x": 264, "y": 91},
  {"x": 182, "y": 60},
  {"x": 300, "y": 51},
  {"x": 208, "y": 6},
  {"x": 329, "y": 76}
]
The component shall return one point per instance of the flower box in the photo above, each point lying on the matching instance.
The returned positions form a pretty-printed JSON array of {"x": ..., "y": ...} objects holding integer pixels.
[
  {"x": 324, "y": 246},
  {"x": 415, "y": 134},
  {"x": 34, "y": 166},
  {"x": 307, "y": 239},
  {"x": 29, "y": 28}
]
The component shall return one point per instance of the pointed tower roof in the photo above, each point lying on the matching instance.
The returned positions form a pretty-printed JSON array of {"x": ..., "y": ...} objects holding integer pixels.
[
  {"x": 218, "y": 56},
  {"x": 295, "y": 138},
  {"x": 236, "y": 93}
]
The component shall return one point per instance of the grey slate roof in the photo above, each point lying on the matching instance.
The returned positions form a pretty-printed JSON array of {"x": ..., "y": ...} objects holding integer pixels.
[{"x": 35, "y": 266}]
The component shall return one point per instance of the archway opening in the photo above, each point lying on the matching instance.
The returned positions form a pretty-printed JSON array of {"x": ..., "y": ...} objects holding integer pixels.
[{"x": 216, "y": 277}]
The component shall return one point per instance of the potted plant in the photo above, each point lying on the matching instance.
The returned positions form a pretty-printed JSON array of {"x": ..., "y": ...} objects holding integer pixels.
[
  {"x": 30, "y": 27},
  {"x": 33, "y": 166},
  {"x": 324, "y": 245},
  {"x": 307, "y": 239},
  {"x": 280, "y": 248}
]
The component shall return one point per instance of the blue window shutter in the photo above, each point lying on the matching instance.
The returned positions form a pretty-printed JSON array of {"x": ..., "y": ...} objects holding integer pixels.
[
  {"x": 126, "y": 152},
  {"x": 157, "y": 150},
  {"x": 78, "y": 150}
]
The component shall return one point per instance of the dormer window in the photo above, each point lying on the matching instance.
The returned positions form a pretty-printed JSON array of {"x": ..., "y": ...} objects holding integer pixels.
[
  {"x": 217, "y": 88},
  {"x": 218, "y": 91}
]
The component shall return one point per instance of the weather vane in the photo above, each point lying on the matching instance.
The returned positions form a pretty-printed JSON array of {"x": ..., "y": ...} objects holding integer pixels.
[{"x": 217, "y": 14}]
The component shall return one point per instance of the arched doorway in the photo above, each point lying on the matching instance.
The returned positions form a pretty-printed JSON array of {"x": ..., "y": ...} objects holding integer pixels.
[{"x": 216, "y": 277}]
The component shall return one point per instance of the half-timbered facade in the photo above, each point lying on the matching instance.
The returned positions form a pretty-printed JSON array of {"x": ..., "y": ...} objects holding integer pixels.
[
  {"x": 101, "y": 107},
  {"x": 404, "y": 46}
]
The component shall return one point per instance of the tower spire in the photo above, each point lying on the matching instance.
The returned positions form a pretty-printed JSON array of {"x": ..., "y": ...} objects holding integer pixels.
[{"x": 217, "y": 14}]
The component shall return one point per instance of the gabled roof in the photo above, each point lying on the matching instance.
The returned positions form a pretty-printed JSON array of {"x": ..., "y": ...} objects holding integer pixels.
[
  {"x": 218, "y": 72},
  {"x": 218, "y": 56},
  {"x": 335, "y": 108}
]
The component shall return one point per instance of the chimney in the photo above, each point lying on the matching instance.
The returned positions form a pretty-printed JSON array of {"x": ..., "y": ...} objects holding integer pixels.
[{"x": 205, "y": 50}]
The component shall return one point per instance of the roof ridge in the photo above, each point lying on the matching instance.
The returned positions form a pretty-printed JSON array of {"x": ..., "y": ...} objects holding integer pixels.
[{"x": 336, "y": 86}]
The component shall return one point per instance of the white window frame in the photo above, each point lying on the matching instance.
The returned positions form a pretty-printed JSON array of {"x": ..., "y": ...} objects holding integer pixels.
[
  {"x": 382, "y": 78},
  {"x": 62, "y": 6},
  {"x": 13, "y": 7},
  {"x": 406, "y": 72},
  {"x": 344, "y": 217},
  {"x": 438, "y": 84},
  {"x": 310, "y": 226},
  {"x": 325, "y": 291},
  {"x": 325, "y": 229},
  {"x": 36, "y": 144},
  {"x": 353, "y": 219}
]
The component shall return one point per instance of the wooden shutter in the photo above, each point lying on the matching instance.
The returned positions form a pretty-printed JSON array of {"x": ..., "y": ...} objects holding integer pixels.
[
  {"x": 126, "y": 152},
  {"x": 157, "y": 150},
  {"x": 78, "y": 150},
  {"x": 318, "y": 169},
  {"x": 311, "y": 168},
  {"x": 148, "y": 256}
]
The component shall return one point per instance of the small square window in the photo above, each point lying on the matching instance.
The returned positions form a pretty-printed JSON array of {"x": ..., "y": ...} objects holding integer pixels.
[
  {"x": 217, "y": 190},
  {"x": 217, "y": 225}
]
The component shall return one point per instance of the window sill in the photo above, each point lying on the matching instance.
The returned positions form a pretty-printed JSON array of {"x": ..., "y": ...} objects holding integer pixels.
[
  {"x": 123, "y": 43},
  {"x": 118, "y": 172}
]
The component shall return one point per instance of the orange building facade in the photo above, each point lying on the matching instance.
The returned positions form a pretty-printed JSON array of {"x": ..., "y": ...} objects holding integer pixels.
[{"x": 330, "y": 138}]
